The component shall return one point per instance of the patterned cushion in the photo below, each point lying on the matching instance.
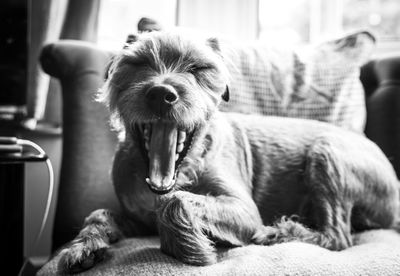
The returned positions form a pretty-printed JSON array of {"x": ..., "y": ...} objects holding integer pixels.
[{"x": 316, "y": 82}]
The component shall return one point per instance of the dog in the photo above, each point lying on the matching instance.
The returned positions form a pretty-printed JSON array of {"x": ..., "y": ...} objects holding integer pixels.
[{"x": 200, "y": 178}]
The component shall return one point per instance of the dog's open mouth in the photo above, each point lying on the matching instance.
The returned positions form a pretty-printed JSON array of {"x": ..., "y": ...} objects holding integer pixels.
[{"x": 165, "y": 146}]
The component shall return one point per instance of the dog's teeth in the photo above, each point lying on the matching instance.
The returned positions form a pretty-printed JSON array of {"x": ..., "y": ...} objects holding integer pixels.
[
  {"x": 147, "y": 128},
  {"x": 179, "y": 148},
  {"x": 176, "y": 157},
  {"x": 181, "y": 136},
  {"x": 146, "y": 132}
]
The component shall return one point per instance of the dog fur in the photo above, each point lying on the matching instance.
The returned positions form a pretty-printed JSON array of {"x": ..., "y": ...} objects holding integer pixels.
[{"x": 241, "y": 179}]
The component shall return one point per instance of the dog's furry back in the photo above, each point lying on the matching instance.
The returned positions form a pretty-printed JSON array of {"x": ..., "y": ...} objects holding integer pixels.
[{"x": 277, "y": 151}]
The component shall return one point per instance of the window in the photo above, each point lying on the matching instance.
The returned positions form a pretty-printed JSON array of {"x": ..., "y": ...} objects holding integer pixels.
[
  {"x": 289, "y": 21},
  {"x": 285, "y": 20},
  {"x": 304, "y": 21},
  {"x": 381, "y": 16},
  {"x": 118, "y": 18}
]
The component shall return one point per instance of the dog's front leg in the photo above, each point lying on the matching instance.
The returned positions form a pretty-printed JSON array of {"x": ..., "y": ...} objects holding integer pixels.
[
  {"x": 190, "y": 224},
  {"x": 101, "y": 228}
]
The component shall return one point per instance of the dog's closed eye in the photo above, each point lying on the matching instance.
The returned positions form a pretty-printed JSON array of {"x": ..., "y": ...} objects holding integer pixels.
[{"x": 198, "y": 68}]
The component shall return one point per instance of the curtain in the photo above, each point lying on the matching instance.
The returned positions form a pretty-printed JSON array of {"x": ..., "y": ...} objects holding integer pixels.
[
  {"x": 45, "y": 22},
  {"x": 81, "y": 20},
  {"x": 51, "y": 20}
]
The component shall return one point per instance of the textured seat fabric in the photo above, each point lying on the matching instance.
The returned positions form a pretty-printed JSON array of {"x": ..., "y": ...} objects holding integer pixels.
[
  {"x": 85, "y": 185},
  {"x": 376, "y": 253}
]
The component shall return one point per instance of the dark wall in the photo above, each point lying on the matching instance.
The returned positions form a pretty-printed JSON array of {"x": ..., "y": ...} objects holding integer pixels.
[{"x": 13, "y": 51}]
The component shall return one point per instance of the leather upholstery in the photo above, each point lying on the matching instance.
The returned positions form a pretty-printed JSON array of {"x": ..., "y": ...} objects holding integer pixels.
[{"x": 383, "y": 106}]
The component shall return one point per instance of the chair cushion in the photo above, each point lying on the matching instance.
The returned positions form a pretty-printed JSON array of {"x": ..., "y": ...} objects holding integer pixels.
[
  {"x": 318, "y": 82},
  {"x": 375, "y": 253}
]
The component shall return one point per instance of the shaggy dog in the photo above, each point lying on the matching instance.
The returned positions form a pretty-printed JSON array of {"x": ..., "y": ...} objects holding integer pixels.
[{"x": 224, "y": 179}]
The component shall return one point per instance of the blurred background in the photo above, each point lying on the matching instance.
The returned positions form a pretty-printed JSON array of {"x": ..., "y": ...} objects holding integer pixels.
[
  {"x": 290, "y": 21},
  {"x": 30, "y": 104}
]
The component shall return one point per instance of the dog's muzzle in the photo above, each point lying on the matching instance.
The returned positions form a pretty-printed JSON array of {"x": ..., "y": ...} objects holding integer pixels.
[{"x": 161, "y": 98}]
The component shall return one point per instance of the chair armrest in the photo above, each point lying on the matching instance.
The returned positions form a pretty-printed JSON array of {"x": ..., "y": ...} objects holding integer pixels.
[
  {"x": 71, "y": 58},
  {"x": 88, "y": 143}
]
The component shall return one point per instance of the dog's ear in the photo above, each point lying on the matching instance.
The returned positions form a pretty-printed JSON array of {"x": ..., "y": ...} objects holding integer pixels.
[
  {"x": 146, "y": 24},
  {"x": 225, "y": 95},
  {"x": 130, "y": 40},
  {"x": 214, "y": 44},
  {"x": 107, "y": 71}
]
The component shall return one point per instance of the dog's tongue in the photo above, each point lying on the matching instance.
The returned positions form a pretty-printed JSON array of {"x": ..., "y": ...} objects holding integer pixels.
[{"x": 162, "y": 156}]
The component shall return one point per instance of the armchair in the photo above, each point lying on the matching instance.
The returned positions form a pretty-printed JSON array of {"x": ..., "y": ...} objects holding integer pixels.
[{"x": 85, "y": 185}]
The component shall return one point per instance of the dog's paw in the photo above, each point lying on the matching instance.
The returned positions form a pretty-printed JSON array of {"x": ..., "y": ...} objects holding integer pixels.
[
  {"x": 287, "y": 230},
  {"x": 183, "y": 232},
  {"x": 267, "y": 235},
  {"x": 284, "y": 230},
  {"x": 80, "y": 256}
]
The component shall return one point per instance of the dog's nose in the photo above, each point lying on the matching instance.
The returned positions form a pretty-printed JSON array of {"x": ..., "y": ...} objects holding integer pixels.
[{"x": 161, "y": 98}]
